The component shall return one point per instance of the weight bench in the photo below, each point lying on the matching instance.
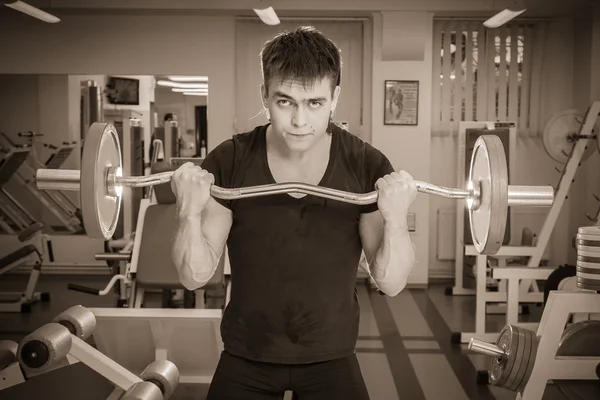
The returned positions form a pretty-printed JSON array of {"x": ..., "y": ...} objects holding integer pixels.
[
  {"x": 25, "y": 255},
  {"x": 63, "y": 342},
  {"x": 151, "y": 262},
  {"x": 136, "y": 337},
  {"x": 150, "y": 267}
]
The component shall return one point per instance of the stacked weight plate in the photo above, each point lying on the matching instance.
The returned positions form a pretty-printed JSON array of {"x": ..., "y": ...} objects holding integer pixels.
[{"x": 588, "y": 258}]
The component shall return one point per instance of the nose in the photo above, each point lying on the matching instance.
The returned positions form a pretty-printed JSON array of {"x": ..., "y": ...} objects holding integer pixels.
[{"x": 299, "y": 117}]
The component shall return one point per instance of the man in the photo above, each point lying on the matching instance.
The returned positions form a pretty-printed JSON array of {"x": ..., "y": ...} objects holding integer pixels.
[
  {"x": 292, "y": 320},
  {"x": 167, "y": 118}
]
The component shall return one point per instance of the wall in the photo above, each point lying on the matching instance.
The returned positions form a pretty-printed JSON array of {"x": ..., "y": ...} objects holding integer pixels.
[
  {"x": 171, "y": 44},
  {"x": 134, "y": 45},
  {"x": 407, "y": 147},
  {"x": 19, "y": 101}
]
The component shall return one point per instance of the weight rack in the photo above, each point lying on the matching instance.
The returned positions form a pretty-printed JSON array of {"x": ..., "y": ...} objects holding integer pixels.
[
  {"x": 548, "y": 366},
  {"x": 535, "y": 253}
]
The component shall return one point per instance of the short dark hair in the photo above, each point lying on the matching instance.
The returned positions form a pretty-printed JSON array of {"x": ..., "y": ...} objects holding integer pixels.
[
  {"x": 168, "y": 117},
  {"x": 304, "y": 55}
]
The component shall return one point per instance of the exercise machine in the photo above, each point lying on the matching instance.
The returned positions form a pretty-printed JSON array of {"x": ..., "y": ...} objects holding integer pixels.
[
  {"x": 149, "y": 266},
  {"x": 55, "y": 160},
  {"x": 561, "y": 350},
  {"x": 573, "y": 144},
  {"x": 30, "y": 255},
  {"x": 22, "y": 187},
  {"x": 13, "y": 217},
  {"x": 62, "y": 342}
]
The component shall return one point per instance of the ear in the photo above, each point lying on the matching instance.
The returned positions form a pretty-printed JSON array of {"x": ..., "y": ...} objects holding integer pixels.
[
  {"x": 336, "y": 96},
  {"x": 263, "y": 94}
]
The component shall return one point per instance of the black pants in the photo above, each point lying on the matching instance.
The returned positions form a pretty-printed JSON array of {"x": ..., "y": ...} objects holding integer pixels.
[{"x": 241, "y": 379}]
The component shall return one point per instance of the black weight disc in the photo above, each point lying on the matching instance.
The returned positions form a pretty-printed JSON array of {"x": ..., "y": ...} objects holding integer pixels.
[{"x": 554, "y": 279}]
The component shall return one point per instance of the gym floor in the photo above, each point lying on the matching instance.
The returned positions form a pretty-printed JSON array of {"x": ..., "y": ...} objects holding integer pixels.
[{"x": 404, "y": 346}]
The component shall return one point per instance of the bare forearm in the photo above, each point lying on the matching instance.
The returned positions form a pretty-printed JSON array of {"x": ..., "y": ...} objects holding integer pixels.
[
  {"x": 193, "y": 257},
  {"x": 392, "y": 263}
]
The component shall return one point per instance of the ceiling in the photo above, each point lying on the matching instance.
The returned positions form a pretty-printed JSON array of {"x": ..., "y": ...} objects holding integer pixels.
[{"x": 310, "y": 8}]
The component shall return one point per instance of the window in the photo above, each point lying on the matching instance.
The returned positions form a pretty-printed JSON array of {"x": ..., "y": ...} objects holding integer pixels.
[{"x": 482, "y": 74}]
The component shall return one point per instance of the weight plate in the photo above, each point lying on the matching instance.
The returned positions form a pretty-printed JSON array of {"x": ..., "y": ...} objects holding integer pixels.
[
  {"x": 556, "y": 135},
  {"x": 588, "y": 256},
  {"x": 588, "y": 284},
  {"x": 588, "y": 237},
  {"x": 588, "y": 242},
  {"x": 529, "y": 357},
  {"x": 587, "y": 270},
  {"x": 519, "y": 366},
  {"x": 589, "y": 230},
  {"x": 589, "y": 249},
  {"x": 588, "y": 265},
  {"x": 585, "y": 275},
  {"x": 500, "y": 367},
  {"x": 100, "y": 211},
  {"x": 489, "y": 175},
  {"x": 580, "y": 339},
  {"x": 532, "y": 357}
]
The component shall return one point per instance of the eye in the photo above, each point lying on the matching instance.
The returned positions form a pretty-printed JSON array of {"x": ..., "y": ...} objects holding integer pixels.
[
  {"x": 316, "y": 104},
  {"x": 283, "y": 102}
]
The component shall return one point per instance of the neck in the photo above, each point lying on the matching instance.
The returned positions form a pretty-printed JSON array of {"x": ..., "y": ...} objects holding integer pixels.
[{"x": 276, "y": 146}]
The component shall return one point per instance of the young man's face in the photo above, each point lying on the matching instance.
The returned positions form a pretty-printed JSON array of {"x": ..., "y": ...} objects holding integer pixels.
[{"x": 300, "y": 115}]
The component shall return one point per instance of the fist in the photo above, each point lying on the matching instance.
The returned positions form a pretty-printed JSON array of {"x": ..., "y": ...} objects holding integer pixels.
[
  {"x": 396, "y": 192},
  {"x": 191, "y": 186}
]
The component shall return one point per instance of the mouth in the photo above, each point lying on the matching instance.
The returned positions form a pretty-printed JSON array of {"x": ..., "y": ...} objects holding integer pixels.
[{"x": 298, "y": 134}]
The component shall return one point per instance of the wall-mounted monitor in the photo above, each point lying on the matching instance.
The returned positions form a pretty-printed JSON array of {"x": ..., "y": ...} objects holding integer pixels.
[{"x": 125, "y": 91}]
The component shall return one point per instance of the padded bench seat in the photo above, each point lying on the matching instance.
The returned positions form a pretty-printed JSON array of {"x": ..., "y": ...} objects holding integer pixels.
[
  {"x": 155, "y": 268},
  {"x": 17, "y": 255}
]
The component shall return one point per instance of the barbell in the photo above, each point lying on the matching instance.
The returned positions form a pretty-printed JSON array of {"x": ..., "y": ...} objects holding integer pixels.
[{"x": 100, "y": 183}]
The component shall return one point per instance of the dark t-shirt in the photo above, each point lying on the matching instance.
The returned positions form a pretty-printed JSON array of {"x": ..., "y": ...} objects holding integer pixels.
[{"x": 294, "y": 261}]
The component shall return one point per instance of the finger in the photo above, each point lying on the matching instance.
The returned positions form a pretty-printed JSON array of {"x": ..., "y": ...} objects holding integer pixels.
[
  {"x": 210, "y": 177},
  {"x": 390, "y": 180},
  {"x": 187, "y": 165},
  {"x": 181, "y": 170},
  {"x": 381, "y": 184},
  {"x": 199, "y": 171},
  {"x": 395, "y": 176},
  {"x": 405, "y": 175}
]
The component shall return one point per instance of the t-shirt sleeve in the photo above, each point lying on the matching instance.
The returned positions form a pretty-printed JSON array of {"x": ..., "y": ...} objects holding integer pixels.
[
  {"x": 377, "y": 165},
  {"x": 220, "y": 162}
]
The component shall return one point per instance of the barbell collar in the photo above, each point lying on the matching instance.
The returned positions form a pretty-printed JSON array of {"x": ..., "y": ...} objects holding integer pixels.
[
  {"x": 58, "y": 179},
  {"x": 539, "y": 196},
  {"x": 486, "y": 348}
]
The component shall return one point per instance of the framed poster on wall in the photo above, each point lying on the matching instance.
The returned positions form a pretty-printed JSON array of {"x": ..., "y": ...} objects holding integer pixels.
[{"x": 401, "y": 103}]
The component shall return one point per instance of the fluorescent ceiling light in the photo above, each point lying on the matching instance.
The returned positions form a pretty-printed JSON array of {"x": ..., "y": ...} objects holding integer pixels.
[
  {"x": 502, "y": 18},
  {"x": 183, "y": 85},
  {"x": 195, "y": 94},
  {"x": 267, "y": 15},
  {"x": 33, "y": 11},
  {"x": 189, "y": 78},
  {"x": 181, "y": 90}
]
